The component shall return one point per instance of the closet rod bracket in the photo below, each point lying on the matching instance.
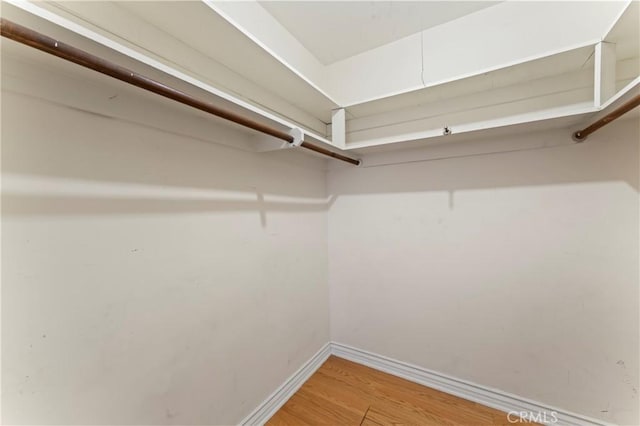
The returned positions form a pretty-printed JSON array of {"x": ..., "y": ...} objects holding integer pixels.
[{"x": 298, "y": 137}]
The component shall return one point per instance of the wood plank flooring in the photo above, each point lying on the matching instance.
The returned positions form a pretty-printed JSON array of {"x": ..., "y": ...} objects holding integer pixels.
[{"x": 345, "y": 393}]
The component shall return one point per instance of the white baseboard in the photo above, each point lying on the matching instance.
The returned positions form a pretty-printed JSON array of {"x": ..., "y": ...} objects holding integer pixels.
[
  {"x": 489, "y": 397},
  {"x": 277, "y": 399},
  {"x": 493, "y": 398}
]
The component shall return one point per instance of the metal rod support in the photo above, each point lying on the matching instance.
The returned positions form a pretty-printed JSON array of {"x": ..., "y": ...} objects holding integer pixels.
[
  {"x": 581, "y": 135},
  {"x": 54, "y": 47}
]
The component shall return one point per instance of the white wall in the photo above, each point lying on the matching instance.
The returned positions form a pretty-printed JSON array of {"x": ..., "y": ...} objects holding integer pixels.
[
  {"x": 149, "y": 277},
  {"x": 517, "y": 271},
  {"x": 153, "y": 275}
]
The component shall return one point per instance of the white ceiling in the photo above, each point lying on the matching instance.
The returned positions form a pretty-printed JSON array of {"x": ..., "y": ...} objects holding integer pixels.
[{"x": 333, "y": 31}]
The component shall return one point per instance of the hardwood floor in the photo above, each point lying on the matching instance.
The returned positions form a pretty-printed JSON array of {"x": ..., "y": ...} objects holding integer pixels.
[{"x": 345, "y": 393}]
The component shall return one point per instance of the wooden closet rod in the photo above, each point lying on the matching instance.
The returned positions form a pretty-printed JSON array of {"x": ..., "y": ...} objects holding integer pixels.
[
  {"x": 581, "y": 135},
  {"x": 39, "y": 41}
]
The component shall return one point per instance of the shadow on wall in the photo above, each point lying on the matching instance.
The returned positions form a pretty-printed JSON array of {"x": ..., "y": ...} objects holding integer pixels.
[
  {"x": 75, "y": 162},
  {"x": 72, "y": 145},
  {"x": 609, "y": 155},
  {"x": 52, "y": 205}
]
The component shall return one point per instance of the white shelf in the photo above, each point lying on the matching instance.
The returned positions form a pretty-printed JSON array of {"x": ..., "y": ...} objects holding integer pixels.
[
  {"x": 554, "y": 90},
  {"x": 511, "y": 124},
  {"x": 562, "y": 89}
]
